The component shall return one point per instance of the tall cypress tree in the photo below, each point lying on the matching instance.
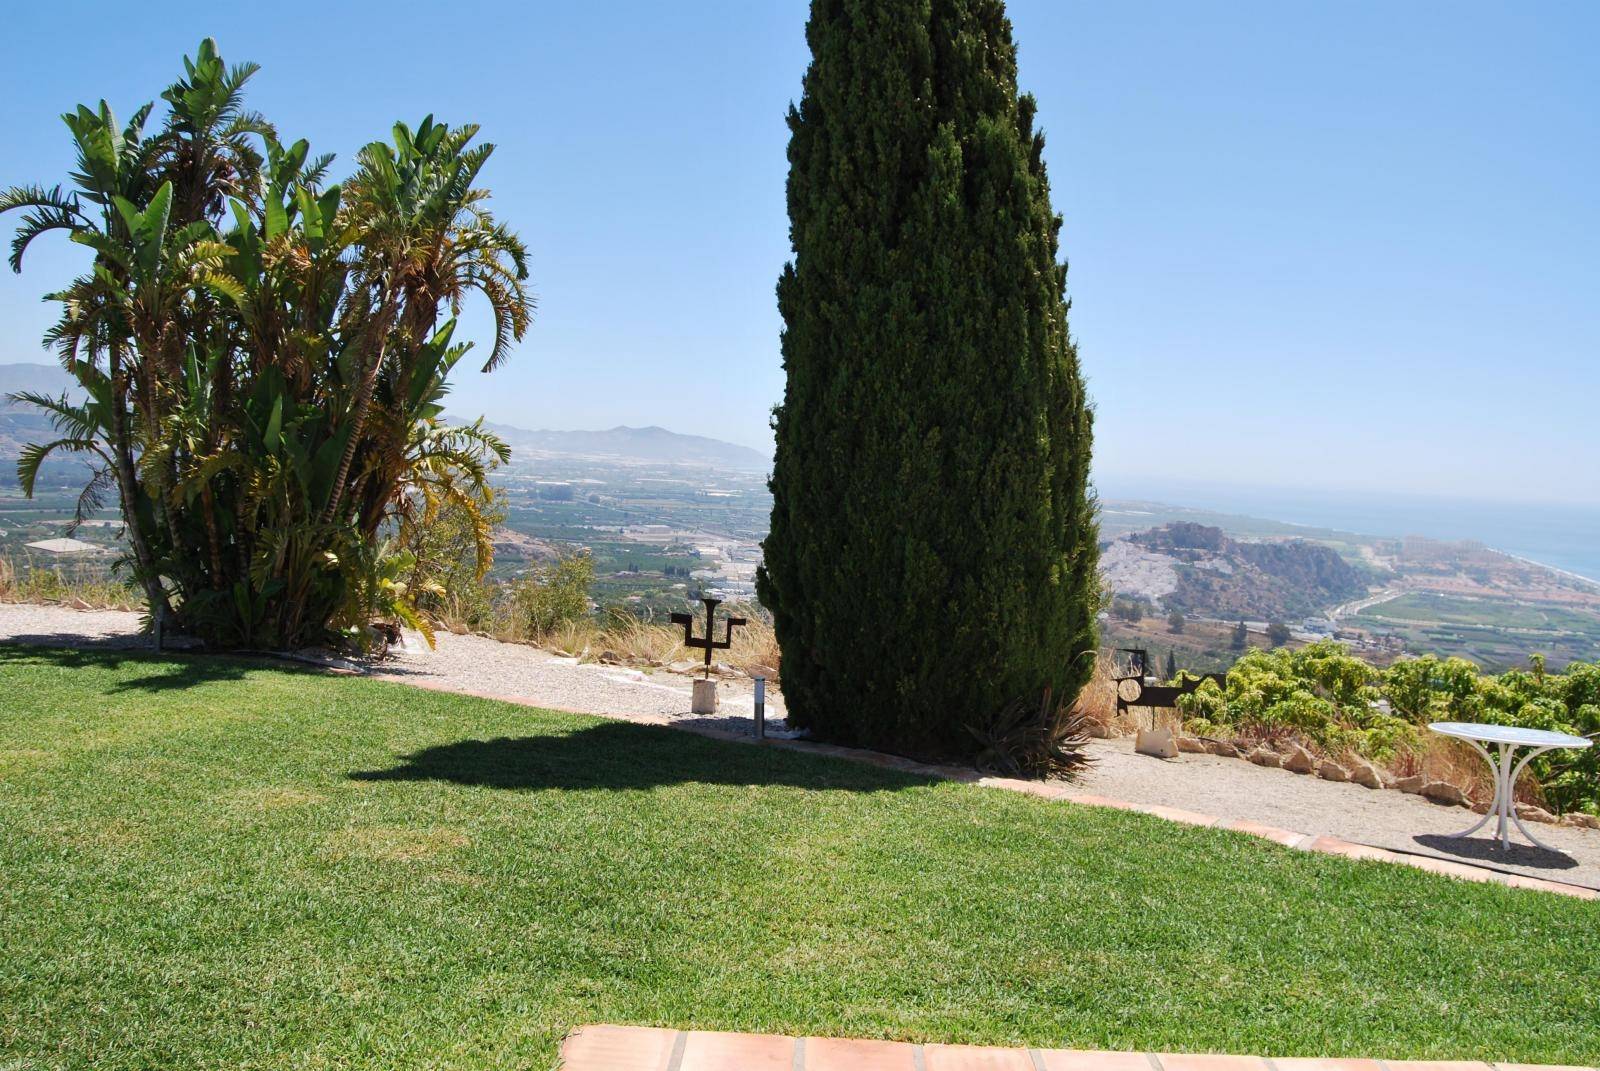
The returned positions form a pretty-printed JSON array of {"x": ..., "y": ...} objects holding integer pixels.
[{"x": 932, "y": 556}]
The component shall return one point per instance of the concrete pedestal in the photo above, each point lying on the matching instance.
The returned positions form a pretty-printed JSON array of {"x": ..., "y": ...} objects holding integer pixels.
[
  {"x": 1162, "y": 743},
  {"x": 705, "y": 697}
]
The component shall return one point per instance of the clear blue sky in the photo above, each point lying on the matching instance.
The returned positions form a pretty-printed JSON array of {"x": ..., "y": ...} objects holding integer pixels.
[{"x": 1348, "y": 245}]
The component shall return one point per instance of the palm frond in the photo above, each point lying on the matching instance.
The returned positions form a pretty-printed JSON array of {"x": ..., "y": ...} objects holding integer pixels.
[
  {"x": 32, "y": 457},
  {"x": 92, "y": 498},
  {"x": 49, "y": 210},
  {"x": 72, "y": 419}
]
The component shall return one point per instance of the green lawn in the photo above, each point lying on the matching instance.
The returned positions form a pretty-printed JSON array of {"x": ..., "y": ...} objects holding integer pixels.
[{"x": 227, "y": 864}]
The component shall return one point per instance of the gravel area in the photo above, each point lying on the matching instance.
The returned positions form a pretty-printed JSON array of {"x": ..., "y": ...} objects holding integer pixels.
[
  {"x": 516, "y": 671},
  {"x": 1230, "y": 788},
  {"x": 468, "y": 663},
  {"x": 61, "y": 626},
  {"x": 1233, "y": 788}
]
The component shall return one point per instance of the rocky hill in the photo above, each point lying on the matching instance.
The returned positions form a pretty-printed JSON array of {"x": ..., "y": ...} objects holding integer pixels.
[{"x": 1200, "y": 570}]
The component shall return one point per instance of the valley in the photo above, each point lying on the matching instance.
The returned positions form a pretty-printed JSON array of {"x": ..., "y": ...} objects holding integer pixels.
[{"x": 666, "y": 517}]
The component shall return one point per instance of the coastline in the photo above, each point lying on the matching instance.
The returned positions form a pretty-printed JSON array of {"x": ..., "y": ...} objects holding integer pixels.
[{"x": 1568, "y": 573}]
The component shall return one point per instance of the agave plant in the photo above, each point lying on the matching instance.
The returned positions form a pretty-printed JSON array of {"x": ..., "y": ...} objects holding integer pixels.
[
  {"x": 1034, "y": 736},
  {"x": 263, "y": 356}
]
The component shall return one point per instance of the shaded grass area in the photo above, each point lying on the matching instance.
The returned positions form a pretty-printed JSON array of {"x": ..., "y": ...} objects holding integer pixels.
[{"x": 225, "y": 864}]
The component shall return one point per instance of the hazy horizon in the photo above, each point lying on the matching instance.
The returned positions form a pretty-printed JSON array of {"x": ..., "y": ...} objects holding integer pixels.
[{"x": 1347, "y": 249}]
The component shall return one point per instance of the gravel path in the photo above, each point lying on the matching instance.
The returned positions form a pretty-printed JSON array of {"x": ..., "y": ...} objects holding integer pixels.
[
  {"x": 468, "y": 663},
  {"x": 516, "y": 671},
  {"x": 1233, "y": 788},
  {"x": 1230, "y": 788}
]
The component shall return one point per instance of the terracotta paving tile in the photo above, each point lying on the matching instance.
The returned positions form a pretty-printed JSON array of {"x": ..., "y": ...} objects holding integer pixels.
[
  {"x": 1286, "y": 837},
  {"x": 1207, "y": 1062},
  {"x": 618, "y": 1048},
  {"x": 975, "y": 1058},
  {"x": 715, "y": 1051},
  {"x": 1090, "y": 800},
  {"x": 1083, "y": 1060},
  {"x": 1294, "y": 1063},
  {"x": 1177, "y": 814},
  {"x": 1350, "y": 850},
  {"x": 1518, "y": 881},
  {"x": 843, "y": 1054},
  {"x": 642, "y": 1048}
]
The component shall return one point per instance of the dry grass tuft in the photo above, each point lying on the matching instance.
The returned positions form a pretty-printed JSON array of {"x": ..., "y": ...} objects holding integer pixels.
[
  {"x": 1098, "y": 702},
  {"x": 80, "y": 587},
  {"x": 632, "y": 641}
]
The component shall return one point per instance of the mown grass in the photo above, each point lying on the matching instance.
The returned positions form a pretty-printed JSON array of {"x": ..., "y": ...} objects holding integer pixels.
[{"x": 225, "y": 864}]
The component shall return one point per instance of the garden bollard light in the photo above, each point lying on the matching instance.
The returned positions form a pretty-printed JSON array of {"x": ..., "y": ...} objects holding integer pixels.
[{"x": 761, "y": 708}]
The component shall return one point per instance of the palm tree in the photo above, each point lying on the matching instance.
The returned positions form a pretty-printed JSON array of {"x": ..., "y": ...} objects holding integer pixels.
[
  {"x": 267, "y": 399},
  {"x": 427, "y": 241},
  {"x": 114, "y": 173}
]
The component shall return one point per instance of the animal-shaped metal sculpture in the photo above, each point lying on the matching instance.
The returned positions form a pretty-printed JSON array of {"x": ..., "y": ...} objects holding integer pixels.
[{"x": 1132, "y": 691}]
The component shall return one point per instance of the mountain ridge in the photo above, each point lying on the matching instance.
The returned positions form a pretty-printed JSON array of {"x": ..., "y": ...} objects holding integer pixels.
[
  {"x": 649, "y": 443},
  {"x": 20, "y": 424}
]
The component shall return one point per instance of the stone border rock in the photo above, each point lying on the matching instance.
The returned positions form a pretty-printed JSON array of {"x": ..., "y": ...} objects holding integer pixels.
[{"x": 1297, "y": 758}]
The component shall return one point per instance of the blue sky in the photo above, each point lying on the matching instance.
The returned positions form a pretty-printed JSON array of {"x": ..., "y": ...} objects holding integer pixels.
[{"x": 1352, "y": 246}]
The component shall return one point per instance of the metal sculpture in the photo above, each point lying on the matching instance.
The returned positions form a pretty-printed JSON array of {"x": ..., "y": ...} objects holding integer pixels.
[
  {"x": 1132, "y": 691},
  {"x": 709, "y": 641}
]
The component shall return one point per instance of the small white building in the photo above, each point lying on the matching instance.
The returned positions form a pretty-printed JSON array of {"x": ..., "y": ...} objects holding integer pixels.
[{"x": 65, "y": 546}]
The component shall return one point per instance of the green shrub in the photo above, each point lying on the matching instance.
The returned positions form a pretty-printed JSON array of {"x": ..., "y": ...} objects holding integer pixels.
[
  {"x": 1324, "y": 694},
  {"x": 556, "y": 596}
]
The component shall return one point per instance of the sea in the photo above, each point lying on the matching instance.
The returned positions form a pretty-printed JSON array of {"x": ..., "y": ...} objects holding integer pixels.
[{"x": 1564, "y": 536}]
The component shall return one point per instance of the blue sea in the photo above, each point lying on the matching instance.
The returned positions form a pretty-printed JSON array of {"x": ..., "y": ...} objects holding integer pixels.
[{"x": 1562, "y": 536}]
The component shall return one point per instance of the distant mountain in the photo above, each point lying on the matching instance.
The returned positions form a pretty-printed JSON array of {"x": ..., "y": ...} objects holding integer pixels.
[
  {"x": 644, "y": 444},
  {"x": 49, "y": 379},
  {"x": 23, "y": 424},
  {"x": 20, "y": 424}
]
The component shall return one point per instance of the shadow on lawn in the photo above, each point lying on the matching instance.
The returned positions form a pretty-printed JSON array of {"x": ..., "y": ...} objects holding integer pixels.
[
  {"x": 620, "y": 756},
  {"x": 168, "y": 671}
]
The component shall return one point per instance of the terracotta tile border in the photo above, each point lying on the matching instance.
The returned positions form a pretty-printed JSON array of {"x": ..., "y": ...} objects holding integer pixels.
[
  {"x": 1287, "y": 837},
  {"x": 633, "y": 1048}
]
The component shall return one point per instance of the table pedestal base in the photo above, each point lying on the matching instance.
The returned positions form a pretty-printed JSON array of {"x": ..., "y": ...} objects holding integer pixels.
[{"x": 1504, "y": 807}]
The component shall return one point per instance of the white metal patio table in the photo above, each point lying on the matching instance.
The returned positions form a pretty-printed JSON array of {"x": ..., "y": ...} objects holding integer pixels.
[{"x": 1506, "y": 739}]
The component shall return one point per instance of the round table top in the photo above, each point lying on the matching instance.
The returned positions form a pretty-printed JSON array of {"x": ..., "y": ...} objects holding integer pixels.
[{"x": 1507, "y": 734}]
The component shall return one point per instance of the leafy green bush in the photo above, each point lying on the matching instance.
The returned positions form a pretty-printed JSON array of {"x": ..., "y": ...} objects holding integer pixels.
[
  {"x": 1326, "y": 695},
  {"x": 555, "y": 597},
  {"x": 1320, "y": 692},
  {"x": 449, "y": 540},
  {"x": 262, "y": 355}
]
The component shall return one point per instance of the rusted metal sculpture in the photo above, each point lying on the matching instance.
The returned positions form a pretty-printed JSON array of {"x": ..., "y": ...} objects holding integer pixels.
[
  {"x": 1132, "y": 691},
  {"x": 709, "y": 641}
]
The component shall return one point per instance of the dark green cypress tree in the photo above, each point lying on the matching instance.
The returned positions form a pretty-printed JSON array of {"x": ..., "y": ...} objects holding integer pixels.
[{"x": 933, "y": 549}]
